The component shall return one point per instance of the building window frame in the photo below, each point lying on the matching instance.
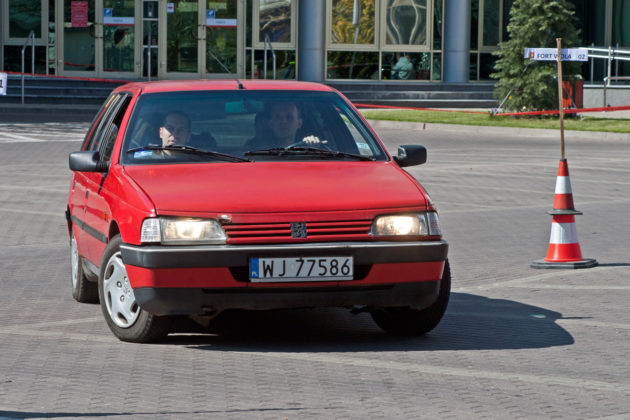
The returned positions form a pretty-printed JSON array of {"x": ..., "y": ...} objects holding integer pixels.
[{"x": 41, "y": 40}]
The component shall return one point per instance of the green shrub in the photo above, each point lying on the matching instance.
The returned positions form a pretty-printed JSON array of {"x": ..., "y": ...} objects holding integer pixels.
[{"x": 532, "y": 85}]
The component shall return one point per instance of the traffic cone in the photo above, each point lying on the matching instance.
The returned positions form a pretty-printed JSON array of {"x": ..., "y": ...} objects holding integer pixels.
[{"x": 564, "y": 249}]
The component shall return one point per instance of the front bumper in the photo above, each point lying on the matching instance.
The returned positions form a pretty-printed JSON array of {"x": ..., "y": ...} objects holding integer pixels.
[{"x": 208, "y": 278}]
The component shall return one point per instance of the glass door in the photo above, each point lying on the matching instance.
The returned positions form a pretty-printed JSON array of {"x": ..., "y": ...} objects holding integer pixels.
[
  {"x": 119, "y": 36},
  {"x": 150, "y": 27},
  {"x": 221, "y": 36},
  {"x": 79, "y": 33},
  {"x": 179, "y": 43}
]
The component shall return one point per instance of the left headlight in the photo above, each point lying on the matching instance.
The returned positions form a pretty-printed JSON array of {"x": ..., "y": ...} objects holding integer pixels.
[
  {"x": 421, "y": 224},
  {"x": 182, "y": 231}
]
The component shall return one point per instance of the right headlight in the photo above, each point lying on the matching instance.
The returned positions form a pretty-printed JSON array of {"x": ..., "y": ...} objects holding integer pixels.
[
  {"x": 182, "y": 231},
  {"x": 418, "y": 224}
]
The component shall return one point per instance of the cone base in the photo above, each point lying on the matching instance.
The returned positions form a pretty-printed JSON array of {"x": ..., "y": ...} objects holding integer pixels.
[{"x": 585, "y": 263}]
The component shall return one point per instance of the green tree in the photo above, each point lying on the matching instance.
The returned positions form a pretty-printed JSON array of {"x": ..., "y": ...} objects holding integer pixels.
[{"x": 534, "y": 24}]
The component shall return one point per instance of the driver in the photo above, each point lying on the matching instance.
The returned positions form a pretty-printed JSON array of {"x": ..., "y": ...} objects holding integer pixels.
[
  {"x": 175, "y": 129},
  {"x": 284, "y": 120}
]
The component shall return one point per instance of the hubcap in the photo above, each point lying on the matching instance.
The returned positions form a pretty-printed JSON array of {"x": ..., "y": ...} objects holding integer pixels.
[
  {"x": 119, "y": 298},
  {"x": 74, "y": 256}
]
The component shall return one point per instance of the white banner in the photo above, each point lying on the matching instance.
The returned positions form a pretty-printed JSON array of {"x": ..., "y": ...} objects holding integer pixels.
[
  {"x": 3, "y": 83},
  {"x": 551, "y": 54}
]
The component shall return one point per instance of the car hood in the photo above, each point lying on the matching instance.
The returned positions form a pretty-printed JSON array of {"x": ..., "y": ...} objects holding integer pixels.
[{"x": 263, "y": 187}]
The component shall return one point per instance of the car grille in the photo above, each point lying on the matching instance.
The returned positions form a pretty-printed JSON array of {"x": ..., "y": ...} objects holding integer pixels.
[
  {"x": 241, "y": 273},
  {"x": 250, "y": 233}
]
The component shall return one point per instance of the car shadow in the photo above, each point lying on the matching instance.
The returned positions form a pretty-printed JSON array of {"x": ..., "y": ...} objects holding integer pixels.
[{"x": 471, "y": 322}]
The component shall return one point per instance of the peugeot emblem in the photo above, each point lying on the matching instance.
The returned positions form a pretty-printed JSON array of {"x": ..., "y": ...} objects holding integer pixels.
[{"x": 298, "y": 230}]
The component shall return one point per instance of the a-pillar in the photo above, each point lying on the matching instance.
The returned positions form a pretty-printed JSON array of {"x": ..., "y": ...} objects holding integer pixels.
[
  {"x": 456, "y": 41},
  {"x": 311, "y": 40}
]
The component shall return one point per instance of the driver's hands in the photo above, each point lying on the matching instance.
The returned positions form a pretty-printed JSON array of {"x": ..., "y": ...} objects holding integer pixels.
[{"x": 313, "y": 140}]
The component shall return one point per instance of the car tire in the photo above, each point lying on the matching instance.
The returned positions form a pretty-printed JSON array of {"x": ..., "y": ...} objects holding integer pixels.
[
  {"x": 408, "y": 321},
  {"x": 124, "y": 317},
  {"x": 83, "y": 290}
]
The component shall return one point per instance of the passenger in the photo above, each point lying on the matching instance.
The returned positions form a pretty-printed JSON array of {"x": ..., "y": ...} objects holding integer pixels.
[
  {"x": 175, "y": 129},
  {"x": 403, "y": 68}
]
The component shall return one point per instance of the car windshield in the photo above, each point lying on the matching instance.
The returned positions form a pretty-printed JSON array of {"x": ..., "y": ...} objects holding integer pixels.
[{"x": 246, "y": 125}]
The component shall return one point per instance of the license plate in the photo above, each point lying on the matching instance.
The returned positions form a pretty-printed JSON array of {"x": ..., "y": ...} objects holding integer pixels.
[{"x": 300, "y": 269}]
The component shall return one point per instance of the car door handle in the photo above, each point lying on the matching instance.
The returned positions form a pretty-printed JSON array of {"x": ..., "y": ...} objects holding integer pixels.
[{"x": 87, "y": 193}]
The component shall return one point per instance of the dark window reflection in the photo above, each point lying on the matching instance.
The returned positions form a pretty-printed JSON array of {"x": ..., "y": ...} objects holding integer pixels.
[
  {"x": 275, "y": 20},
  {"x": 437, "y": 67},
  {"x": 486, "y": 66},
  {"x": 24, "y": 16},
  {"x": 352, "y": 65},
  {"x": 437, "y": 25},
  {"x": 491, "y": 22},
  {"x": 473, "y": 72},
  {"x": 285, "y": 64},
  {"x": 406, "y": 66}
]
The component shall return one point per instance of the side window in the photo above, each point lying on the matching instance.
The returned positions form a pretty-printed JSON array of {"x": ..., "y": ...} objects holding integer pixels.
[
  {"x": 362, "y": 146},
  {"x": 94, "y": 141},
  {"x": 111, "y": 128}
]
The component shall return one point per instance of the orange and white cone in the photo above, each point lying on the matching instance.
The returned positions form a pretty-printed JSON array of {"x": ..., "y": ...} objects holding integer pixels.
[{"x": 564, "y": 249}]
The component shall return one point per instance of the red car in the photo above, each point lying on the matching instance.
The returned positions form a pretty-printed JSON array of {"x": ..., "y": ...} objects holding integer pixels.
[{"x": 195, "y": 197}]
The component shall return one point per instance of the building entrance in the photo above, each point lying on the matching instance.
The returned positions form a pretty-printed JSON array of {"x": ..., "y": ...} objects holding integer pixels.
[{"x": 145, "y": 39}]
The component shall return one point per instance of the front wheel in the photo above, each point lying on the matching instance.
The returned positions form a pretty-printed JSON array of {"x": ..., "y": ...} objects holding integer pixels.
[
  {"x": 124, "y": 316},
  {"x": 409, "y": 321},
  {"x": 83, "y": 290}
]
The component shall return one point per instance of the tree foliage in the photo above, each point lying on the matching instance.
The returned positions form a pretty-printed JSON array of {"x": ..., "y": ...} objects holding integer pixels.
[{"x": 534, "y": 24}]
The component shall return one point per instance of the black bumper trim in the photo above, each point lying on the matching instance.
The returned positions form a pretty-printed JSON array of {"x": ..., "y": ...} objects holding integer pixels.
[
  {"x": 239, "y": 255},
  {"x": 182, "y": 301}
]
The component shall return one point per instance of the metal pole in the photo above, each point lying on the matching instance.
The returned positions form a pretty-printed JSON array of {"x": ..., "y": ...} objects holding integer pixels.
[
  {"x": 607, "y": 79},
  {"x": 22, "y": 76},
  {"x": 560, "y": 105},
  {"x": 592, "y": 65},
  {"x": 265, "y": 60},
  {"x": 149, "y": 53},
  {"x": 33, "y": 53},
  {"x": 617, "y": 62}
]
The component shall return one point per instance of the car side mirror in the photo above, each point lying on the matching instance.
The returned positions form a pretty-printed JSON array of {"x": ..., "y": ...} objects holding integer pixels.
[
  {"x": 410, "y": 155},
  {"x": 87, "y": 162}
]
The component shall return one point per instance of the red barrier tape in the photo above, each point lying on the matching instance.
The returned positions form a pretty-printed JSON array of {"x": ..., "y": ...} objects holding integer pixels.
[
  {"x": 550, "y": 112},
  {"x": 416, "y": 109},
  {"x": 568, "y": 111}
]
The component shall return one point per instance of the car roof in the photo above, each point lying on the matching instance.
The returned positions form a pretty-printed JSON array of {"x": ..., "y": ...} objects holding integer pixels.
[{"x": 226, "y": 84}]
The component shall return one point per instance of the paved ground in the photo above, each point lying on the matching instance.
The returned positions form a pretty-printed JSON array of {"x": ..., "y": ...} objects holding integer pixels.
[{"x": 515, "y": 342}]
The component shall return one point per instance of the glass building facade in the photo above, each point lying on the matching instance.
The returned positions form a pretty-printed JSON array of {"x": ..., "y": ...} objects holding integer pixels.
[{"x": 377, "y": 40}]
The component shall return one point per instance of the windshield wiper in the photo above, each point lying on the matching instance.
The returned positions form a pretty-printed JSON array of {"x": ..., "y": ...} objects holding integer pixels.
[
  {"x": 301, "y": 150},
  {"x": 193, "y": 150}
]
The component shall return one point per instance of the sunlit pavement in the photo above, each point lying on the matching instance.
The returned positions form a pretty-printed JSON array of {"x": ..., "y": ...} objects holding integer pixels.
[{"x": 515, "y": 342}]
